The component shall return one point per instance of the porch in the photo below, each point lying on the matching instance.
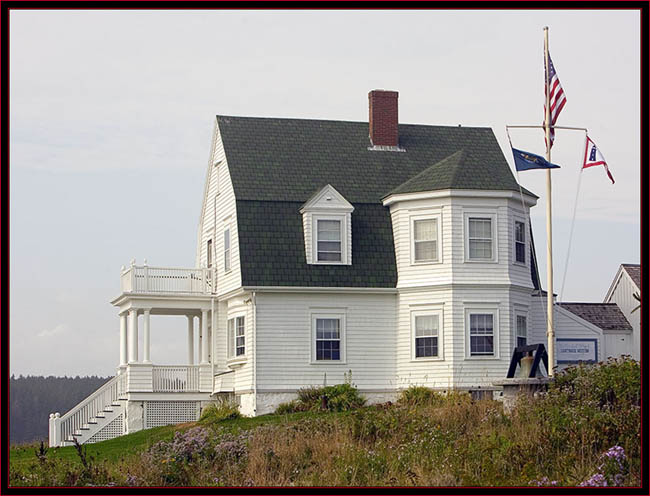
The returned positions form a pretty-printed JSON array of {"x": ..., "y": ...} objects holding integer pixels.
[{"x": 144, "y": 394}]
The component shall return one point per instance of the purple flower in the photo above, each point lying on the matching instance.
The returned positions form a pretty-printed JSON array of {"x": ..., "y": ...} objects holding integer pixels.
[
  {"x": 596, "y": 480},
  {"x": 544, "y": 481}
]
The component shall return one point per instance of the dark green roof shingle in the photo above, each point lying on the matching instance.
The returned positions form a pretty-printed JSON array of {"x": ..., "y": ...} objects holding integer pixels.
[{"x": 277, "y": 164}]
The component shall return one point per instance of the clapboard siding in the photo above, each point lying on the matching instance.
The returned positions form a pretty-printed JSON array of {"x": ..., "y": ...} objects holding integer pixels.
[
  {"x": 284, "y": 340},
  {"x": 456, "y": 368},
  {"x": 622, "y": 295},
  {"x": 453, "y": 266},
  {"x": 219, "y": 212}
]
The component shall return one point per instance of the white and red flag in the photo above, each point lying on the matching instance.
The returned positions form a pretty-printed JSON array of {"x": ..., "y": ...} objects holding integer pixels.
[
  {"x": 556, "y": 99},
  {"x": 593, "y": 157}
]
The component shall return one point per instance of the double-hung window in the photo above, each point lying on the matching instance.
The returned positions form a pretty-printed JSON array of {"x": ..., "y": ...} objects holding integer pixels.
[
  {"x": 236, "y": 337},
  {"x": 328, "y": 339},
  {"x": 226, "y": 250},
  {"x": 520, "y": 242},
  {"x": 425, "y": 240},
  {"x": 481, "y": 334},
  {"x": 328, "y": 240},
  {"x": 209, "y": 254},
  {"x": 522, "y": 330},
  {"x": 426, "y": 335},
  {"x": 480, "y": 238}
]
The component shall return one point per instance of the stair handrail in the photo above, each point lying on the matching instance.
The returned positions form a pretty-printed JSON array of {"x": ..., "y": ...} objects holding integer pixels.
[{"x": 82, "y": 412}]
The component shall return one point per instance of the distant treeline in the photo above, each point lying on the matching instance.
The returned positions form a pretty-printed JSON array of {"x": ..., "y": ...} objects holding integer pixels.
[{"x": 33, "y": 398}]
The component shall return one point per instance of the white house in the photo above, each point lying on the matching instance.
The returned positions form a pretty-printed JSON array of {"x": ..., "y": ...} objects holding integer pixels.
[
  {"x": 401, "y": 254},
  {"x": 625, "y": 285}
]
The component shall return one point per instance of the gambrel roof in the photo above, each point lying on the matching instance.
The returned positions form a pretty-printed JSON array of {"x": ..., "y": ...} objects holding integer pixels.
[{"x": 277, "y": 164}]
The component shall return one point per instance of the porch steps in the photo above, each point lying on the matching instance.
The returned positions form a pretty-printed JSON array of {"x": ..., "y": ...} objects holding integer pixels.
[{"x": 94, "y": 426}]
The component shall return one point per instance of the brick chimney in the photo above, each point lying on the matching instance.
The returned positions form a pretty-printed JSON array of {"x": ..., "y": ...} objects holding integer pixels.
[{"x": 383, "y": 118}]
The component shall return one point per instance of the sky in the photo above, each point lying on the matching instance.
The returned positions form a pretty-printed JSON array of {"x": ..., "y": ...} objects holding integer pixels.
[{"x": 111, "y": 115}]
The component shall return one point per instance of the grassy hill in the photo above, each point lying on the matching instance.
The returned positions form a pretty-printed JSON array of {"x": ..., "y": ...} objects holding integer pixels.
[{"x": 585, "y": 430}]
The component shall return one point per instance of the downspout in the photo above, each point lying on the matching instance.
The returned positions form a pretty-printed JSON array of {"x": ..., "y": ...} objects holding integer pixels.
[
  {"x": 254, "y": 353},
  {"x": 213, "y": 331}
]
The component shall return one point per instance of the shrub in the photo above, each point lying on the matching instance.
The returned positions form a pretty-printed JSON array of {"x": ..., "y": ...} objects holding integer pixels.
[
  {"x": 218, "y": 412},
  {"x": 290, "y": 407},
  {"x": 337, "y": 398}
]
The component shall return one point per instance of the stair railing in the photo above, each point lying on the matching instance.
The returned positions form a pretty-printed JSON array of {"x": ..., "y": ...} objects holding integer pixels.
[{"x": 64, "y": 427}]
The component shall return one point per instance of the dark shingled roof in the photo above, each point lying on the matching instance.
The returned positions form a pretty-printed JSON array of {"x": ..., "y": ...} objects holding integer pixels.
[
  {"x": 272, "y": 248},
  {"x": 634, "y": 271},
  {"x": 285, "y": 160},
  {"x": 607, "y": 316}
]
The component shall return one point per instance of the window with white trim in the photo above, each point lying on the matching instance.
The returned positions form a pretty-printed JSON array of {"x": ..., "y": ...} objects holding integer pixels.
[
  {"x": 521, "y": 323},
  {"x": 426, "y": 335},
  {"x": 481, "y": 334},
  {"x": 520, "y": 242},
  {"x": 425, "y": 240},
  {"x": 236, "y": 337},
  {"x": 328, "y": 240},
  {"x": 328, "y": 337},
  {"x": 480, "y": 238},
  {"x": 209, "y": 253},
  {"x": 226, "y": 250}
]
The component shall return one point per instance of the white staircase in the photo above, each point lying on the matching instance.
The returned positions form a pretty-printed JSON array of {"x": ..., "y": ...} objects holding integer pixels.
[{"x": 97, "y": 418}]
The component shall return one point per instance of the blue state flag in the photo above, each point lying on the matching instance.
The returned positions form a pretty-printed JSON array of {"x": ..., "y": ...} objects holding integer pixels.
[{"x": 526, "y": 161}]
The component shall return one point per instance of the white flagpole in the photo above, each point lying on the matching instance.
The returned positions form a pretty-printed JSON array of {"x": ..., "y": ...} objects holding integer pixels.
[{"x": 550, "y": 332}]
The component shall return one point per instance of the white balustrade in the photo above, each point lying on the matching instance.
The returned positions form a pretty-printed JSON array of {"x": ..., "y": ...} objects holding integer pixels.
[
  {"x": 176, "y": 378},
  {"x": 146, "y": 279},
  {"x": 63, "y": 428}
]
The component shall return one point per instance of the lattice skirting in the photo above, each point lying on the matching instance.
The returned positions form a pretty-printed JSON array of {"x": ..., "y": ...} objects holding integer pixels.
[
  {"x": 157, "y": 413},
  {"x": 112, "y": 430}
]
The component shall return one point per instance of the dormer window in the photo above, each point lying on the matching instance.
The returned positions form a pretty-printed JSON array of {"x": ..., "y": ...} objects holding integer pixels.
[
  {"x": 327, "y": 227},
  {"x": 328, "y": 240}
]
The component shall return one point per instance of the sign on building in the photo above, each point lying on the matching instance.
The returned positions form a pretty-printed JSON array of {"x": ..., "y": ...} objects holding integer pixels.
[{"x": 577, "y": 350}]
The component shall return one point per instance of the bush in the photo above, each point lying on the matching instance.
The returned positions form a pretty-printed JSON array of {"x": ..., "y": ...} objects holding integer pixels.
[
  {"x": 338, "y": 398},
  {"x": 218, "y": 412},
  {"x": 290, "y": 407}
]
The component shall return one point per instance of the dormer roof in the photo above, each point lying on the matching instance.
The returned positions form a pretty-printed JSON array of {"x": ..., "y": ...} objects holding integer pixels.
[{"x": 328, "y": 199}]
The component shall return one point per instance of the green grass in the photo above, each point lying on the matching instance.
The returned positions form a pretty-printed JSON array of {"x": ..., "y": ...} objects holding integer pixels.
[
  {"x": 559, "y": 438},
  {"x": 121, "y": 447}
]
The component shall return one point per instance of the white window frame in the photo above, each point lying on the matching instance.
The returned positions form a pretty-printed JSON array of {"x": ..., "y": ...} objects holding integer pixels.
[
  {"x": 425, "y": 312},
  {"x": 514, "y": 241},
  {"x": 340, "y": 315},
  {"x": 227, "y": 253},
  {"x": 231, "y": 336},
  {"x": 524, "y": 314},
  {"x": 209, "y": 258},
  {"x": 482, "y": 309},
  {"x": 438, "y": 219},
  {"x": 342, "y": 219},
  {"x": 481, "y": 214}
]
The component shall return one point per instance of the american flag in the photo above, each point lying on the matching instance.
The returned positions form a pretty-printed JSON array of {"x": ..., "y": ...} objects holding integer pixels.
[{"x": 557, "y": 98}]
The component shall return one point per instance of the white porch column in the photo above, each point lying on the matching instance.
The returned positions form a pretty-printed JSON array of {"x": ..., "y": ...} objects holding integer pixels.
[
  {"x": 147, "y": 337},
  {"x": 204, "y": 337},
  {"x": 190, "y": 340},
  {"x": 133, "y": 335},
  {"x": 123, "y": 342}
]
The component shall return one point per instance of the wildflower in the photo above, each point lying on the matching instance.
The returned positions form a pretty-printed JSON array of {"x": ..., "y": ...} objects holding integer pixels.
[{"x": 596, "y": 480}]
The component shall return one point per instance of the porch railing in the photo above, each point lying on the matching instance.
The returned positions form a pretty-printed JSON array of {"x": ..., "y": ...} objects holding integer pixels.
[
  {"x": 176, "y": 379},
  {"x": 146, "y": 279}
]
